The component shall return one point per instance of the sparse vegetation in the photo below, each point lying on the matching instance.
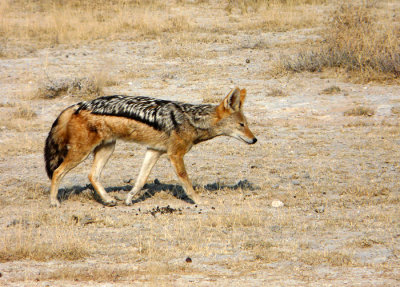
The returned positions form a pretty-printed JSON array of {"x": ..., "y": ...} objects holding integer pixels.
[
  {"x": 246, "y": 6},
  {"x": 47, "y": 22},
  {"x": 28, "y": 243},
  {"x": 87, "y": 274},
  {"x": 277, "y": 93},
  {"x": 60, "y": 22},
  {"x": 331, "y": 90},
  {"x": 330, "y": 161},
  {"x": 361, "y": 39},
  {"x": 396, "y": 110},
  {"x": 360, "y": 111},
  {"x": 211, "y": 97},
  {"x": 24, "y": 112},
  {"x": 335, "y": 259},
  {"x": 84, "y": 88}
]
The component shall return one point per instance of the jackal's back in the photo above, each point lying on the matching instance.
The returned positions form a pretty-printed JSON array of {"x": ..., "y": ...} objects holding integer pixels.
[{"x": 160, "y": 114}]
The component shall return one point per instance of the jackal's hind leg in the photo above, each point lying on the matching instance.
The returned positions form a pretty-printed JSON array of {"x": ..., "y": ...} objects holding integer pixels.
[
  {"x": 73, "y": 158},
  {"x": 149, "y": 161},
  {"x": 58, "y": 175},
  {"x": 180, "y": 170},
  {"x": 102, "y": 154}
]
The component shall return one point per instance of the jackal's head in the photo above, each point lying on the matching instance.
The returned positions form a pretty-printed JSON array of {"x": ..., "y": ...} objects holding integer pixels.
[{"x": 230, "y": 119}]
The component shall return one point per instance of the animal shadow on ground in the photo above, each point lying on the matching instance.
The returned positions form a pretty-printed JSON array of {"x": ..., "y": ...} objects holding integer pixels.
[{"x": 150, "y": 189}]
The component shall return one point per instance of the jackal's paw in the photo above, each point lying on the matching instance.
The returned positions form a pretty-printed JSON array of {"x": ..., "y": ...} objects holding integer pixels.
[
  {"x": 55, "y": 203},
  {"x": 128, "y": 202},
  {"x": 110, "y": 202}
]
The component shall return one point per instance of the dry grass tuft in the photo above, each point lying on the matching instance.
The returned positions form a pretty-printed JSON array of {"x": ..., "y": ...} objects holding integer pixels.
[
  {"x": 86, "y": 87},
  {"x": 278, "y": 17},
  {"x": 24, "y": 111},
  {"x": 277, "y": 93},
  {"x": 24, "y": 144},
  {"x": 367, "y": 191},
  {"x": 366, "y": 243},
  {"x": 30, "y": 243},
  {"x": 210, "y": 96},
  {"x": 363, "y": 40},
  {"x": 263, "y": 250},
  {"x": 360, "y": 111},
  {"x": 332, "y": 258},
  {"x": 395, "y": 110},
  {"x": 171, "y": 49},
  {"x": 246, "y": 6},
  {"x": 111, "y": 274},
  {"x": 152, "y": 24},
  {"x": 236, "y": 220},
  {"x": 331, "y": 90}
]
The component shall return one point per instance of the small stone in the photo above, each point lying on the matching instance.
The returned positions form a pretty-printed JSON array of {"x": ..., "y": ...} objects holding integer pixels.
[
  {"x": 320, "y": 209},
  {"x": 188, "y": 260},
  {"x": 277, "y": 203},
  {"x": 295, "y": 182},
  {"x": 247, "y": 61}
]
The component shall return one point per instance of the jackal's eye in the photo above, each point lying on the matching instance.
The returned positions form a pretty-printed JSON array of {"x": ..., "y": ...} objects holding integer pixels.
[{"x": 241, "y": 124}]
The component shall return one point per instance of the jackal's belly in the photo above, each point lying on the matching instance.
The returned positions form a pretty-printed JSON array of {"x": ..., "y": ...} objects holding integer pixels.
[
  {"x": 114, "y": 127},
  {"x": 141, "y": 133}
]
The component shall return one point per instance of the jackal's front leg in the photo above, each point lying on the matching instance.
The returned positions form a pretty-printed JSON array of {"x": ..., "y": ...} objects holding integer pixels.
[{"x": 179, "y": 165}]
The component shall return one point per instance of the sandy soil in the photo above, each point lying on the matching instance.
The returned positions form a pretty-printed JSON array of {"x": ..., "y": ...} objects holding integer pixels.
[{"x": 336, "y": 175}]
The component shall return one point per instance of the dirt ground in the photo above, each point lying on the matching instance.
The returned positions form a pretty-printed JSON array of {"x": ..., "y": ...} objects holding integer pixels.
[{"x": 336, "y": 174}]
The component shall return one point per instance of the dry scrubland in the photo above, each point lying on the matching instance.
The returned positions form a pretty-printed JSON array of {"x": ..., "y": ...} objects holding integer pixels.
[{"x": 324, "y": 102}]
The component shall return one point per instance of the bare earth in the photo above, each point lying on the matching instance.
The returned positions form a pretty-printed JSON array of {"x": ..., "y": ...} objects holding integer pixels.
[{"x": 337, "y": 175}]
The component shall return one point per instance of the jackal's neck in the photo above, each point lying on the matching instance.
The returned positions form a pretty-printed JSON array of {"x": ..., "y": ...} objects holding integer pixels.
[
  {"x": 204, "y": 135},
  {"x": 205, "y": 125}
]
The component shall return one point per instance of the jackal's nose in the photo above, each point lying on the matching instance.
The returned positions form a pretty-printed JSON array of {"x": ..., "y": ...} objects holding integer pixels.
[{"x": 254, "y": 141}]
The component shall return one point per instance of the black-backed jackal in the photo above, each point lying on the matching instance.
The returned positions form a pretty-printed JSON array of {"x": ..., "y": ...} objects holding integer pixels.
[{"x": 162, "y": 126}]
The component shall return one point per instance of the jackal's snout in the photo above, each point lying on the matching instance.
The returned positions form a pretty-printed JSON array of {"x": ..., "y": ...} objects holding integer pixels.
[
  {"x": 249, "y": 137},
  {"x": 248, "y": 140},
  {"x": 246, "y": 136}
]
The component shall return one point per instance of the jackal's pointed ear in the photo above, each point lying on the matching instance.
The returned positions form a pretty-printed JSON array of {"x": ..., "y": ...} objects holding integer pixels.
[
  {"x": 243, "y": 94},
  {"x": 233, "y": 100}
]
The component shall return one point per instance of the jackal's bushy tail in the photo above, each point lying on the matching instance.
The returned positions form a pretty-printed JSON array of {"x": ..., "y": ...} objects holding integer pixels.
[{"x": 55, "y": 149}]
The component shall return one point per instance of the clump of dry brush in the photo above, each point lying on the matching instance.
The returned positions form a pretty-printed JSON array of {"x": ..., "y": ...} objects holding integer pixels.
[
  {"x": 363, "y": 40},
  {"x": 83, "y": 87}
]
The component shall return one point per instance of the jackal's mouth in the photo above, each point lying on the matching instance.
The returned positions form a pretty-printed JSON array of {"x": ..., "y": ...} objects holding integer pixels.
[{"x": 248, "y": 141}]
